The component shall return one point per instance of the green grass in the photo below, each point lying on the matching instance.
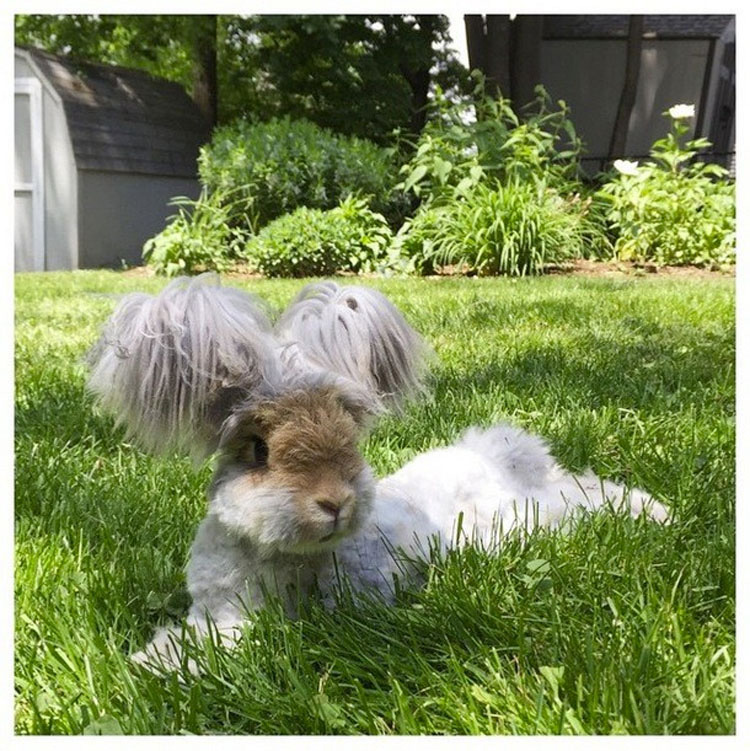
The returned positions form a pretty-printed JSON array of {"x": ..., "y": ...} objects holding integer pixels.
[{"x": 619, "y": 627}]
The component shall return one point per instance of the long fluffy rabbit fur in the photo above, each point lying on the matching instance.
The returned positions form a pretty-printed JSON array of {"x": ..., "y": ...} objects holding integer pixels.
[{"x": 293, "y": 505}]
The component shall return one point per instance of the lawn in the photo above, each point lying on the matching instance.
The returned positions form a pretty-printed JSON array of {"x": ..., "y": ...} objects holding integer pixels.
[{"x": 620, "y": 626}]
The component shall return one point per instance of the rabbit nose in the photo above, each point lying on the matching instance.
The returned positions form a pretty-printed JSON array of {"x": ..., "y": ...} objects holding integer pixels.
[{"x": 329, "y": 506}]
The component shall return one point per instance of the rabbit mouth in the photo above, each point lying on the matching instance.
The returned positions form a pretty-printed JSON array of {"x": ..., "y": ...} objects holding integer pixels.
[
  {"x": 321, "y": 545},
  {"x": 336, "y": 534}
]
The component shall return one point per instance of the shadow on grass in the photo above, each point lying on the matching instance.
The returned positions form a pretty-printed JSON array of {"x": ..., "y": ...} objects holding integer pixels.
[{"x": 642, "y": 373}]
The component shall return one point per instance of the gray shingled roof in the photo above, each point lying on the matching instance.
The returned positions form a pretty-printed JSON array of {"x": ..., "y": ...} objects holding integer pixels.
[
  {"x": 611, "y": 25},
  {"x": 126, "y": 120}
]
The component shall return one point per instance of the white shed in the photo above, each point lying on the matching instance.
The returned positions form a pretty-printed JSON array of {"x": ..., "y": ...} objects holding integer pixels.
[{"x": 99, "y": 152}]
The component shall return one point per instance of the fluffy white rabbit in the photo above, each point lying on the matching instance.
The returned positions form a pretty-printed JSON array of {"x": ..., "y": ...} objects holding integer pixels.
[{"x": 293, "y": 506}]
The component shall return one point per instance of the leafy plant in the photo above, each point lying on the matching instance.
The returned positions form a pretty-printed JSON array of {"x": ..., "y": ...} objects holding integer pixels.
[
  {"x": 673, "y": 209},
  {"x": 311, "y": 242},
  {"x": 278, "y": 166},
  {"x": 512, "y": 228},
  {"x": 482, "y": 139},
  {"x": 198, "y": 237}
]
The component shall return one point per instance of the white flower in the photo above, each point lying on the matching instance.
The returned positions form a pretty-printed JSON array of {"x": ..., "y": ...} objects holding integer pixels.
[
  {"x": 681, "y": 111},
  {"x": 624, "y": 167}
]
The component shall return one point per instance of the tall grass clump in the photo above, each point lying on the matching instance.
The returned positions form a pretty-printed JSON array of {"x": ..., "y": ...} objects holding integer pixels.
[
  {"x": 511, "y": 228},
  {"x": 201, "y": 236}
]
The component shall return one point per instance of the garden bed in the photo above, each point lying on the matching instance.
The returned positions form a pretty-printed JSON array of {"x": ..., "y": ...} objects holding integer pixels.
[
  {"x": 585, "y": 267},
  {"x": 578, "y": 267}
]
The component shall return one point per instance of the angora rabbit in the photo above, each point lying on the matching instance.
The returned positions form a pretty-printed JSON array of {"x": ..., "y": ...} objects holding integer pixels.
[{"x": 199, "y": 368}]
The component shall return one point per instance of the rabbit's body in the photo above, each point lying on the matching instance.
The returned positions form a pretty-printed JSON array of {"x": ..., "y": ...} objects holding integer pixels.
[
  {"x": 293, "y": 506},
  {"x": 495, "y": 480}
]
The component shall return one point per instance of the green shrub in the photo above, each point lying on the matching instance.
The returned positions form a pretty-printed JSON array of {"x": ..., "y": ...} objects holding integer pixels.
[
  {"x": 312, "y": 242},
  {"x": 198, "y": 237},
  {"x": 482, "y": 140},
  {"x": 672, "y": 210},
  {"x": 513, "y": 228},
  {"x": 278, "y": 166}
]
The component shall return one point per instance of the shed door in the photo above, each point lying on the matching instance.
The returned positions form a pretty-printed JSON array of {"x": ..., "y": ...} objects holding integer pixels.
[{"x": 29, "y": 176}]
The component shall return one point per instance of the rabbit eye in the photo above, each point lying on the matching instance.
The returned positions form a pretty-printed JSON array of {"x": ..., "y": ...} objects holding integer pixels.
[
  {"x": 261, "y": 451},
  {"x": 257, "y": 453}
]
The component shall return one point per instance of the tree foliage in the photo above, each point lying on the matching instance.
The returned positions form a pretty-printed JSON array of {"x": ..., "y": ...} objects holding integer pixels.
[
  {"x": 359, "y": 75},
  {"x": 158, "y": 44},
  {"x": 356, "y": 74}
]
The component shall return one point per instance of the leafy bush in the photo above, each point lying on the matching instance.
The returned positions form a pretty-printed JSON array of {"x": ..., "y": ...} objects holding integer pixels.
[
  {"x": 500, "y": 193},
  {"x": 198, "y": 237},
  {"x": 311, "y": 242},
  {"x": 278, "y": 166},
  {"x": 513, "y": 228},
  {"x": 672, "y": 209},
  {"x": 466, "y": 143}
]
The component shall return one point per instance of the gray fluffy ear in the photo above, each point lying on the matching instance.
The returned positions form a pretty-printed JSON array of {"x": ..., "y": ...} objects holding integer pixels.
[
  {"x": 171, "y": 366},
  {"x": 356, "y": 332}
]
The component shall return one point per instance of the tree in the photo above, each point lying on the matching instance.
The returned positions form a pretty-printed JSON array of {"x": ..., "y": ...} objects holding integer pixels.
[
  {"x": 629, "y": 87},
  {"x": 488, "y": 43},
  {"x": 156, "y": 44},
  {"x": 181, "y": 48},
  {"x": 361, "y": 75},
  {"x": 323, "y": 68},
  {"x": 356, "y": 74},
  {"x": 202, "y": 34},
  {"x": 409, "y": 47},
  {"x": 507, "y": 52}
]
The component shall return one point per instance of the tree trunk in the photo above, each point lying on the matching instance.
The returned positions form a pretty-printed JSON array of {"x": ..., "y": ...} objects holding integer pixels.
[
  {"x": 419, "y": 83},
  {"x": 205, "y": 86},
  {"x": 525, "y": 71},
  {"x": 476, "y": 42},
  {"x": 629, "y": 88},
  {"x": 497, "y": 56},
  {"x": 417, "y": 71}
]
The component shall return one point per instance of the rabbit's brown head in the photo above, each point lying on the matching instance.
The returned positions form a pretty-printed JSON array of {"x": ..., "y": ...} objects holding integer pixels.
[{"x": 292, "y": 477}]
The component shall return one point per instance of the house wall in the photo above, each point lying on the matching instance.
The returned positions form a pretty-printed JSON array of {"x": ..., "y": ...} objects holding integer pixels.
[
  {"x": 589, "y": 74},
  {"x": 716, "y": 75},
  {"x": 60, "y": 188},
  {"x": 23, "y": 69},
  {"x": 120, "y": 211},
  {"x": 672, "y": 72},
  {"x": 720, "y": 123}
]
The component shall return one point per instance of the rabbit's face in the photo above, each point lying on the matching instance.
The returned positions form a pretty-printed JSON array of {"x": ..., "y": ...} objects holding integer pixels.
[{"x": 294, "y": 480}]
